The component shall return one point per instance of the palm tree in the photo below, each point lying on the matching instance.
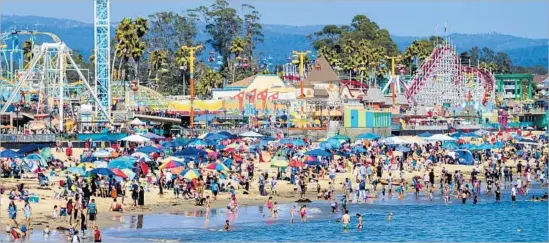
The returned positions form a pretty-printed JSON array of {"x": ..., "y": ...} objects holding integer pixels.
[
  {"x": 122, "y": 34},
  {"x": 182, "y": 60},
  {"x": 140, "y": 28},
  {"x": 237, "y": 46},
  {"x": 208, "y": 80},
  {"x": 156, "y": 60}
]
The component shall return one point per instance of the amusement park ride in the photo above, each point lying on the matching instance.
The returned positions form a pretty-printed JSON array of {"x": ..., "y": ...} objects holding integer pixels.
[{"x": 41, "y": 86}]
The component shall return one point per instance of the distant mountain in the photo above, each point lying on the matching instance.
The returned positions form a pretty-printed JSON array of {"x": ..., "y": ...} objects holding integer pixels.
[{"x": 280, "y": 40}]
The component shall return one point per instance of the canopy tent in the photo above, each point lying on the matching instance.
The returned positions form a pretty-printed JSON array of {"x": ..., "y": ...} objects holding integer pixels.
[
  {"x": 35, "y": 157},
  {"x": 251, "y": 134},
  {"x": 30, "y": 148},
  {"x": 153, "y": 136},
  {"x": 105, "y": 138},
  {"x": 319, "y": 152},
  {"x": 440, "y": 137},
  {"x": 368, "y": 136},
  {"x": 190, "y": 151},
  {"x": 136, "y": 139},
  {"x": 137, "y": 122},
  {"x": 149, "y": 149},
  {"x": 395, "y": 140},
  {"x": 462, "y": 156},
  {"x": 101, "y": 154},
  {"x": 425, "y": 135},
  {"x": 450, "y": 146},
  {"x": 8, "y": 153}
]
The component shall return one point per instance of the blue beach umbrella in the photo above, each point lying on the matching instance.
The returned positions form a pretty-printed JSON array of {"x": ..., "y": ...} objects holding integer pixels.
[
  {"x": 149, "y": 149},
  {"x": 368, "y": 136},
  {"x": 8, "y": 153},
  {"x": 102, "y": 171},
  {"x": 319, "y": 152}
]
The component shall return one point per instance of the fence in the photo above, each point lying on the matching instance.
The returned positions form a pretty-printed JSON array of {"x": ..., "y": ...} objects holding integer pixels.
[{"x": 22, "y": 138}]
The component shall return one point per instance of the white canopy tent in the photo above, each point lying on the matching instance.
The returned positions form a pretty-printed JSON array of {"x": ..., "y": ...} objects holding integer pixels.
[
  {"x": 137, "y": 122},
  {"x": 135, "y": 139},
  {"x": 440, "y": 137},
  {"x": 251, "y": 134}
]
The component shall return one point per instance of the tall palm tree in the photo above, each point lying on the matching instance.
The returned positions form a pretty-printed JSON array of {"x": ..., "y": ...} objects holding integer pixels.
[
  {"x": 156, "y": 60},
  {"x": 208, "y": 80},
  {"x": 140, "y": 27},
  {"x": 237, "y": 46},
  {"x": 182, "y": 60},
  {"x": 123, "y": 32}
]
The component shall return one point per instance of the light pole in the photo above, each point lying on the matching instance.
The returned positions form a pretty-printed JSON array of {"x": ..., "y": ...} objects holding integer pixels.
[
  {"x": 17, "y": 110},
  {"x": 191, "y": 57},
  {"x": 301, "y": 55},
  {"x": 183, "y": 69}
]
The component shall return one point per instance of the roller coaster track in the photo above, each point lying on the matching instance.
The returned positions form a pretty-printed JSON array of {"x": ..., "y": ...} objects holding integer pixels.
[{"x": 7, "y": 35}]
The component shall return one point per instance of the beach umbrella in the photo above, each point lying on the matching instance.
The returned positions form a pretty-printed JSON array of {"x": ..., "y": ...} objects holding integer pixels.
[
  {"x": 341, "y": 137},
  {"x": 190, "y": 151},
  {"x": 325, "y": 145},
  {"x": 368, "y": 136},
  {"x": 440, "y": 137},
  {"x": 299, "y": 142},
  {"x": 153, "y": 136},
  {"x": 314, "y": 162},
  {"x": 139, "y": 155},
  {"x": 8, "y": 153},
  {"x": 425, "y": 134},
  {"x": 87, "y": 166},
  {"x": 149, "y": 149},
  {"x": 279, "y": 162},
  {"x": 76, "y": 170},
  {"x": 101, "y": 171},
  {"x": 171, "y": 164},
  {"x": 100, "y": 164},
  {"x": 251, "y": 134},
  {"x": 217, "y": 166},
  {"x": 318, "y": 152},
  {"x": 296, "y": 164},
  {"x": 166, "y": 160},
  {"x": 46, "y": 153},
  {"x": 450, "y": 146},
  {"x": 129, "y": 173},
  {"x": 197, "y": 143},
  {"x": 498, "y": 145},
  {"x": 269, "y": 138},
  {"x": 135, "y": 139},
  {"x": 216, "y": 136},
  {"x": 403, "y": 149},
  {"x": 167, "y": 144},
  {"x": 30, "y": 148},
  {"x": 190, "y": 174},
  {"x": 120, "y": 164},
  {"x": 285, "y": 141},
  {"x": 359, "y": 149},
  {"x": 102, "y": 154},
  {"x": 119, "y": 173}
]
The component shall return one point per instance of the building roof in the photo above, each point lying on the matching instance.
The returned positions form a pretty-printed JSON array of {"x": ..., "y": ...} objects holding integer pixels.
[
  {"x": 261, "y": 82},
  {"x": 540, "y": 78},
  {"x": 374, "y": 94},
  {"x": 243, "y": 83},
  {"x": 323, "y": 74}
]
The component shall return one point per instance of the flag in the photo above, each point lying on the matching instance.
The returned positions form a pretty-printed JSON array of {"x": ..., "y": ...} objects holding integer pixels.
[
  {"x": 445, "y": 28},
  {"x": 274, "y": 96},
  {"x": 263, "y": 97},
  {"x": 252, "y": 95},
  {"x": 240, "y": 98}
]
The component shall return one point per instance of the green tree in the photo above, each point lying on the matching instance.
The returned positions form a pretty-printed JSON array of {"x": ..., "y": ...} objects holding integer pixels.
[
  {"x": 209, "y": 79},
  {"x": 27, "y": 51},
  {"x": 252, "y": 29},
  {"x": 157, "y": 59}
]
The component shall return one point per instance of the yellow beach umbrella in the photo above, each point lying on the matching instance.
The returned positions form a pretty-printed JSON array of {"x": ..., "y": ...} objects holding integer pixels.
[
  {"x": 191, "y": 174},
  {"x": 172, "y": 159},
  {"x": 278, "y": 162},
  {"x": 86, "y": 166}
]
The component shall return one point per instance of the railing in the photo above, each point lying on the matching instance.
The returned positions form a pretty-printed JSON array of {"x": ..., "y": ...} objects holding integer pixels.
[
  {"x": 22, "y": 138},
  {"x": 468, "y": 126},
  {"x": 426, "y": 127}
]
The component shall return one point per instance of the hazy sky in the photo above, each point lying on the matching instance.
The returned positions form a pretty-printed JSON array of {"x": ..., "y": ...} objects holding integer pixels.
[{"x": 525, "y": 18}]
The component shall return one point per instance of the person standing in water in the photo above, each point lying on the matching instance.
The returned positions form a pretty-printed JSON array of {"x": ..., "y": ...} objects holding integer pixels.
[
  {"x": 303, "y": 213},
  {"x": 390, "y": 217},
  {"x": 227, "y": 226},
  {"x": 292, "y": 214},
  {"x": 359, "y": 218},
  {"x": 346, "y": 219},
  {"x": 514, "y": 193}
]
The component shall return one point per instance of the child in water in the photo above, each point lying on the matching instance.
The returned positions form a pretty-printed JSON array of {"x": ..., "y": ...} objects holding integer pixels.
[
  {"x": 303, "y": 213},
  {"x": 359, "y": 217},
  {"x": 292, "y": 213},
  {"x": 275, "y": 210},
  {"x": 390, "y": 216},
  {"x": 227, "y": 225}
]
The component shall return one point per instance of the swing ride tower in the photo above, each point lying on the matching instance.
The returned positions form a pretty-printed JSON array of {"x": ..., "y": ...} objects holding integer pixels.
[{"x": 102, "y": 57}]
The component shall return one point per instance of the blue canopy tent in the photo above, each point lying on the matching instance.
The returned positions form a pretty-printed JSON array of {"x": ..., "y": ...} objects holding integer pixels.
[
  {"x": 190, "y": 151},
  {"x": 464, "y": 157},
  {"x": 299, "y": 142},
  {"x": 102, "y": 171},
  {"x": 425, "y": 135},
  {"x": 149, "y": 149},
  {"x": 8, "y": 153},
  {"x": 216, "y": 136},
  {"x": 450, "y": 146},
  {"x": 31, "y": 148},
  {"x": 368, "y": 136},
  {"x": 319, "y": 152}
]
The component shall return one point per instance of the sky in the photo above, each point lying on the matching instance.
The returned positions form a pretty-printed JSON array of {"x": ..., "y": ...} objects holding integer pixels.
[{"x": 526, "y": 18}]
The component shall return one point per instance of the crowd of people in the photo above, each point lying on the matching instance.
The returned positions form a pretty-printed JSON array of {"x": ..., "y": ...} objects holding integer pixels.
[{"x": 372, "y": 169}]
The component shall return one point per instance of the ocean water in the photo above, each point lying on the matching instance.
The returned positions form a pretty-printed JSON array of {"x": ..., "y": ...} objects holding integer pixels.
[{"x": 413, "y": 220}]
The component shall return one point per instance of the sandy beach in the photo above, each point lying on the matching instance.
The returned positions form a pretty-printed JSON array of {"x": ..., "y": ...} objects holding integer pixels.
[{"x": 167, "y": 203}]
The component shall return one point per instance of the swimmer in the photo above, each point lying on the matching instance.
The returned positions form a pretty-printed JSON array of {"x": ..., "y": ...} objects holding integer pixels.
[
  {"x": 334, "y": 206},
  {"x": 346, "y": 219},
  {"x": 275, "y": 210},
  {"x": 303, "y": 213},
  {"x": 227, "y": 226},
  {"x": 292, "y": 214},
  {"x": 47, "y": 231},
  {"x": 359, "y": 217},
  {"x": 390, "y": 216}
]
